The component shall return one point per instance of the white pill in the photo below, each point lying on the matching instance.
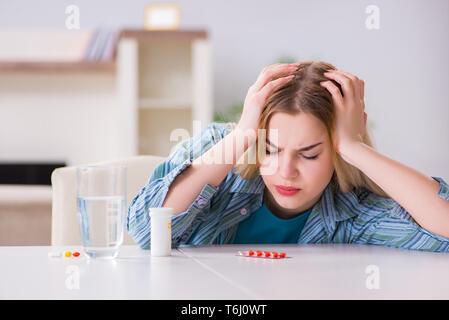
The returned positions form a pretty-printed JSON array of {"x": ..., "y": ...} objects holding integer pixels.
[{"x": 54, "y": 254}]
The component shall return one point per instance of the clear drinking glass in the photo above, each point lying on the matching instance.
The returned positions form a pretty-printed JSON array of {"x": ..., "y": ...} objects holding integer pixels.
[{"x": 101, "y": 199}]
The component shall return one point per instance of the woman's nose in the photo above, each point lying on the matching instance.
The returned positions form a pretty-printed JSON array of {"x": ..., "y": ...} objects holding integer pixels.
[{"x": 287, "y": 168}]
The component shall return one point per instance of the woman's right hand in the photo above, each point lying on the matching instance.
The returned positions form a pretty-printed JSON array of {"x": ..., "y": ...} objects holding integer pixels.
[{"x": 269, "y": 79}]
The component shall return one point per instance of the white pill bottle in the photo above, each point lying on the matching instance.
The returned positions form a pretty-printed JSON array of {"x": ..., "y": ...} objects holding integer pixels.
[{"x": 161, "y": 231}]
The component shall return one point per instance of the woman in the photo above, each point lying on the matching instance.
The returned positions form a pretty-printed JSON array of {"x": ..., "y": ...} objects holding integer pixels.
[{"x": 316, "y": 177}]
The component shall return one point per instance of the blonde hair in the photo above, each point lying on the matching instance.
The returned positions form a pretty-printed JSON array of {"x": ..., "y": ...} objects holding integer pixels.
[{"x": 305, "y": 94}]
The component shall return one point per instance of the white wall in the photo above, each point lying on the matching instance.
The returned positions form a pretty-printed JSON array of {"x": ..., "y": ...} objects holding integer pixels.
[
  {"x": 57, "y": 117},
  {"x": 405, "y": 63}
]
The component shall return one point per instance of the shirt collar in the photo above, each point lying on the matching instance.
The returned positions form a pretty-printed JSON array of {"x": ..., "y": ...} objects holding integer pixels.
[
  {"x": 253, "y": 185},
  {"x": 336, "y": 206},
  {"x": 330, "y": 205}
]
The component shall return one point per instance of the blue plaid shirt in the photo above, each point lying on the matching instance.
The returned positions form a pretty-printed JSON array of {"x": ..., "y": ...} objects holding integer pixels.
[{"x": 359, "y": 216}]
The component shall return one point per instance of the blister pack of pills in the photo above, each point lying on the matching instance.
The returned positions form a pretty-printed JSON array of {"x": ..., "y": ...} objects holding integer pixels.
[{"x": 262, "y": 254}]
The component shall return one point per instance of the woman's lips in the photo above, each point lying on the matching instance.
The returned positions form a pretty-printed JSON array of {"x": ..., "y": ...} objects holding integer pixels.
[{"x": 287, "y": 191}]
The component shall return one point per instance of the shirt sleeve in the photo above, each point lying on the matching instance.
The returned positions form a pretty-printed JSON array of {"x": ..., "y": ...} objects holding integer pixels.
[
  {"x": 153, "y": 194},
  {"x": 383, "y": 221}
]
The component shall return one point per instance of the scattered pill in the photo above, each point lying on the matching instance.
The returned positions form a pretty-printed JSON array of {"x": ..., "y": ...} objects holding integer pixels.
[
  {"x": 258, "y": 253},
  {"x": 274, "y": 254},
  {"x": 250, "y": 253},
  {"x": 68, "y": 254},
  {"x": 266, "y": 254},
  {"x": 54, "y": 254},
  {"x": 282, "y": 255}
]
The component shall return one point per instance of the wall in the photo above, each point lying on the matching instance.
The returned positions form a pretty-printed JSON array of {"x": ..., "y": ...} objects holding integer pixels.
[
  {"x": 404, "y": 64},
  {"x": 56, "y": 117}
]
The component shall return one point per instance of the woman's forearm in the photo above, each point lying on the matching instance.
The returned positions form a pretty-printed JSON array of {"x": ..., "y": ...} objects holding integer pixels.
[
  {"x": 210, "y": 168},
  {"x": 413, "y": 190}
]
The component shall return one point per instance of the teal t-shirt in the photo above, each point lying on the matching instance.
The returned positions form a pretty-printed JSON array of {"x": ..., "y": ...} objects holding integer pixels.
[{"x": 264, "y": 227}]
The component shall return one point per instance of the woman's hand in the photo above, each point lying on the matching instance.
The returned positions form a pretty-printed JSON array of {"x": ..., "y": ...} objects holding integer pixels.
[
  {"x": 350, "y": 110},
  {"x": 269, "y": 79}
]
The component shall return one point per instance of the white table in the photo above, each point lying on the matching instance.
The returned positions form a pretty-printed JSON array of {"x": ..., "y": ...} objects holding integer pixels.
[
  {"x": 217, "y": 273},
  {"x": 338, "y": 271},
  {"x": 28, "y": 273}
]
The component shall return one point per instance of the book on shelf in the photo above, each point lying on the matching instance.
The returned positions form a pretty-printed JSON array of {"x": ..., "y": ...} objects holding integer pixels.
[{"x": 102, "y": 45}]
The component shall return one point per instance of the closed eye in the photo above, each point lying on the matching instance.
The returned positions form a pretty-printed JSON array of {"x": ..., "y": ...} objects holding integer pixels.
[
  {"x": 311, "y": 158},
  {"x": 308, "y": 158}
]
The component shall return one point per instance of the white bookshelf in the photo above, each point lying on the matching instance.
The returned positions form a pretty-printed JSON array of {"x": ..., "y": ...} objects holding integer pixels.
[
  {"x": 174, "y": 75},
  {"x": 87, "y": 111}
]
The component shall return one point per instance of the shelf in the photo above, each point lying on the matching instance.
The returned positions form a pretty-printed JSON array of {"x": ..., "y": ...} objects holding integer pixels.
[
  {"x": 143, "y": 35},
  {"x": 100, "y": 66},
  {"x": 81, "y": 66},
  {"x": 165, "y": 103}
]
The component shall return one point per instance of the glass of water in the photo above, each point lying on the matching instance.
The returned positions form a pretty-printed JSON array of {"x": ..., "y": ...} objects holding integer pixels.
[{"x": 101, "y": 199}]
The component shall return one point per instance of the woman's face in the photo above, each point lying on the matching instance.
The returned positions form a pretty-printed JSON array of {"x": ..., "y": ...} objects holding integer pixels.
[{"x": 286, "y": 165}]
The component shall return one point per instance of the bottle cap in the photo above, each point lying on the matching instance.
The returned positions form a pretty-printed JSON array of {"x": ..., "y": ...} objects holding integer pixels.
[{"x": 161, "y": 211}]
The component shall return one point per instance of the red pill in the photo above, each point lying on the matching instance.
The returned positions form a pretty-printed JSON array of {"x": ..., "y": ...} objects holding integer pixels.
[
  {"x": 258, "y": 253},
  {"x": 250, "y": 253},
  {"x": 282, "y": 255},
  {"x": 266, "y": 254},
  {"x": 274, "y": 254},
  {"x": 76, "y": 254}
]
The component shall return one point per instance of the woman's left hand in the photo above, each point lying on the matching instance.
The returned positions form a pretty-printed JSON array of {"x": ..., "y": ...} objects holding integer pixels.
[{"x": 350, "y": 112}]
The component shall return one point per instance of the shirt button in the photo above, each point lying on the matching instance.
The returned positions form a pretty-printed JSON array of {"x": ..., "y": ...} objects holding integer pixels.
[{"x": 243, "y": 211}]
